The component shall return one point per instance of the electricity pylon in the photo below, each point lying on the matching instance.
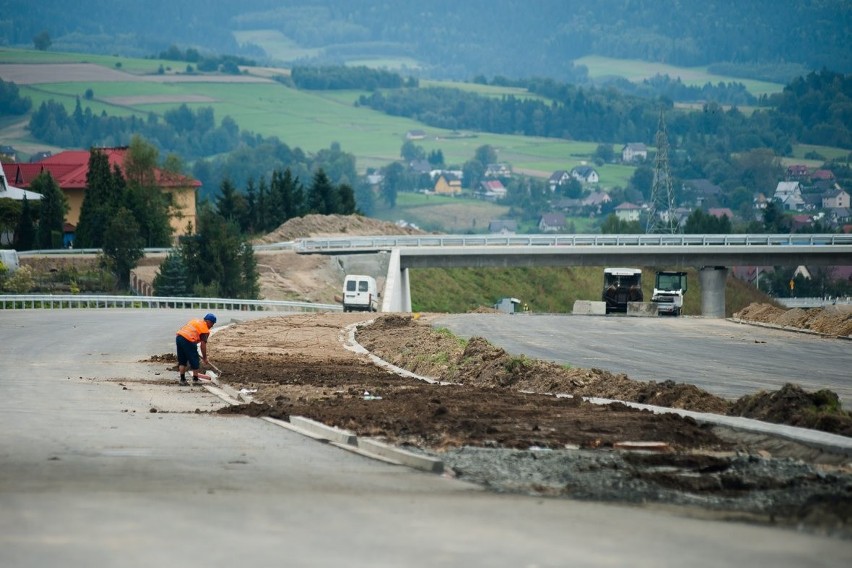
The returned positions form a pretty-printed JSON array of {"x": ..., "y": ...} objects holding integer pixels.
[{"x": 661, "y": 217}]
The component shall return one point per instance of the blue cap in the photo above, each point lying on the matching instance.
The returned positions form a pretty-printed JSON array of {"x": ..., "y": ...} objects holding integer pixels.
[{"x": 210, "y": 318}]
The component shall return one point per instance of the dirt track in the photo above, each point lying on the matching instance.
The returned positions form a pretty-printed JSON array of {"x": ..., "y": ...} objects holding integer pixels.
[{"x": 487, "y": 430}]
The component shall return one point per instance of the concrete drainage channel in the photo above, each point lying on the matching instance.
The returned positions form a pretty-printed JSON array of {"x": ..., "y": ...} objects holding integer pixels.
[{"x": 375, "y": 449}]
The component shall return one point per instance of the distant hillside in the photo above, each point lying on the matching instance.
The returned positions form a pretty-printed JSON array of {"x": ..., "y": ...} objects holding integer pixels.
[{"x": 456, "y": 40}]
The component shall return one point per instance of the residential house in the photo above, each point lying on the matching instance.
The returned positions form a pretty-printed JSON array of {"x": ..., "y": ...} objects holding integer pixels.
[
  {"x": 634, "y": 152},
  {"x": 39, "y": 156},
  {"x": 447, "y": 184},
  {"x": 568, "y": 205},
  {"x": 557, "y": 178},
  {"x": 420, "y": 166},
  {"x": 839, "y": 216},
  {"x": 822, "y": 175},
  {"x": 702, "y": 190},
  {"x": 812, "y": 201},
  {"x": 800, "y": 222},
  {"x": 797, "y": 172},
  {"x": 503, "y": 227},
  {"x": 9, "y": 153},
  {"x": 70, "y": 169},
  {"x": 834, "y": 199},
  {"x": 491, "y": 190},
  {"x": 596, "y": 200},
  {"x": 720, "y": 212},
  {"x": 498, "y": 170},
  {"x": 8, "y": 191},
  {"x": 585, "y": 174},
  {"x": 415, "y": 135},
  {"x": 788, "y": 194},
  {"x": 628, "y": 212},
  {"x": 551, "y": 222}
]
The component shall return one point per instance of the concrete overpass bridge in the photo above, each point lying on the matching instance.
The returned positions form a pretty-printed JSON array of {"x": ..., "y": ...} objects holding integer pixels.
[{"x": 710, "y": 254}]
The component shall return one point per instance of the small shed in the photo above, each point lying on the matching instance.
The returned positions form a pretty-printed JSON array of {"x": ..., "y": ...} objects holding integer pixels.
[{"x": 507, "y": 305}]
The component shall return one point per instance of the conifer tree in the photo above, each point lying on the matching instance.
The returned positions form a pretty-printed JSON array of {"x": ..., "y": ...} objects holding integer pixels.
[
  {"x": 172, "y": 279},
  {"x": 52, "y": 212},
  {"x": 25, "y": 232},
  {"x": 98, "y": 202},
  {"x": 123, "y": 245}
]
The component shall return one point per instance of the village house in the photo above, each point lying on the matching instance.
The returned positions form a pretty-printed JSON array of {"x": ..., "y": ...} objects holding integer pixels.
[
  {"x": 503, "y": 227},
  {"x": 551, "y": 222},
  {"x": 557, "y": 178},
  {"x": 415, "y": 135},
  {"x": 70, "y": 169},
  {"x": 596, "y": 200},
  {"x": 702, "y": 191},
  {"x": 586, "y": 174},
  {"x": 447, "y": 184},
  {"x": 834, "y": 199},
  {"x": 788, "y": 194},
  {"x": 491, "y": 190},
  {"x": 797, "y": 172},
  {"x": 634, "y": 152},
  {"x": 498, "y": 170},
  {"x": 628, "y": 212},
  {"x": 720, "y": 212}
]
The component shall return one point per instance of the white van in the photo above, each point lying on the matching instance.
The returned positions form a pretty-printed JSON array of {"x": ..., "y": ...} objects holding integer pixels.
[
  {"x": 360, "y": 293},
  {"x": 9, "y": 258}
]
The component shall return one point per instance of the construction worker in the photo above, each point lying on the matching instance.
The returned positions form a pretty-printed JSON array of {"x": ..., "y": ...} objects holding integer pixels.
[{"x": 188, "y": 338}]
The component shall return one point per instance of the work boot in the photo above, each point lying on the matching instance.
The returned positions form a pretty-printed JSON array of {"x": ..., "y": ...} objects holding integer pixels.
[{"x": 183, "y": 382}]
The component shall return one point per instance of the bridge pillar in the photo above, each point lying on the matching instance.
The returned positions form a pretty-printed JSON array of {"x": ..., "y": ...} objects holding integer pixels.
[
  {"x": 712, "y": 279},
  {"x": 397, "y": 294}
]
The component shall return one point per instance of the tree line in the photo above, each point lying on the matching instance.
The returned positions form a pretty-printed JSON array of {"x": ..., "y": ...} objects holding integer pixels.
[
  {"x": 816, "y": 107},
  {"x": 337, "y": 77}
]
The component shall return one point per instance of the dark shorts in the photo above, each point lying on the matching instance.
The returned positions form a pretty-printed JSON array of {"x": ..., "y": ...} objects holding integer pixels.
[{"x": 187, "y": 352}]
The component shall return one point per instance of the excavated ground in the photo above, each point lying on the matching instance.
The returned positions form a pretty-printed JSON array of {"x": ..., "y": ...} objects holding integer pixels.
[{"x": 496, "y": 421}]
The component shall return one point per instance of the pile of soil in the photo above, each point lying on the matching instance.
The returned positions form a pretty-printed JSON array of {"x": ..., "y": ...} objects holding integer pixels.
[
  {"x": 835, "y": 320},
  {"x": 333, "y": 226}
]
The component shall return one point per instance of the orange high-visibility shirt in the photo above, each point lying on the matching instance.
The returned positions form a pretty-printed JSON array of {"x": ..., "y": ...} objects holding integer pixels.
[{"x": 194, "y": 329}]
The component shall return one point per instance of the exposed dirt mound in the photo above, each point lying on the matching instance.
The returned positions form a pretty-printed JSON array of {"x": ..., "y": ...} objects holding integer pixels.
[
  {"x": 792, "y": 405},
  {"x": 400, "y": 340},
  {"x": 333, "y": 225},
  {"x": 831, "y": 320}
]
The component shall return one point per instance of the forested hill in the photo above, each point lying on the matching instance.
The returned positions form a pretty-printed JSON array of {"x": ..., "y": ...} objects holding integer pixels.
[{"x": 768, "y": 39}]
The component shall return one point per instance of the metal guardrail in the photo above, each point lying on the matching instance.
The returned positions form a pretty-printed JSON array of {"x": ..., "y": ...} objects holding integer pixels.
[
  {"x": 54, "y": 301},
  {"x": 385, "y": 242},
  {"x": 316, "y": 245}
]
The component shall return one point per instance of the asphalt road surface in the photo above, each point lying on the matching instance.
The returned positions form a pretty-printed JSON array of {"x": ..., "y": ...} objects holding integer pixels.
[
  {"x": 90, "y": 477},
  {"x": 725, "y": 358}
]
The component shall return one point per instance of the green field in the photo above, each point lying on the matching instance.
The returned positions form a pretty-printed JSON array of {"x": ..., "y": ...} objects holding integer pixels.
[
  {"x": 442, "y": 213},
  {"x": 635, "y": 70}
]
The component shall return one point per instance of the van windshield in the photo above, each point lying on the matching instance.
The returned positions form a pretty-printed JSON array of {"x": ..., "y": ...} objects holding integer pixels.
[{"x": 362, "y": 286}]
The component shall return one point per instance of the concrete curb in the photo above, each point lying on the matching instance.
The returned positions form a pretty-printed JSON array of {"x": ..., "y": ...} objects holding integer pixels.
[
  {"x": 814, "y": 438},
  {"x": 790, "y": 328},
  {"x": 367, "y": 447}
]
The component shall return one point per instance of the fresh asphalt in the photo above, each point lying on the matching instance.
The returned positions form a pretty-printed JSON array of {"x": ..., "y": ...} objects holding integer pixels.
[
  {"x": 90, "y": 476},
  {"x": 725, "y": 358}
]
